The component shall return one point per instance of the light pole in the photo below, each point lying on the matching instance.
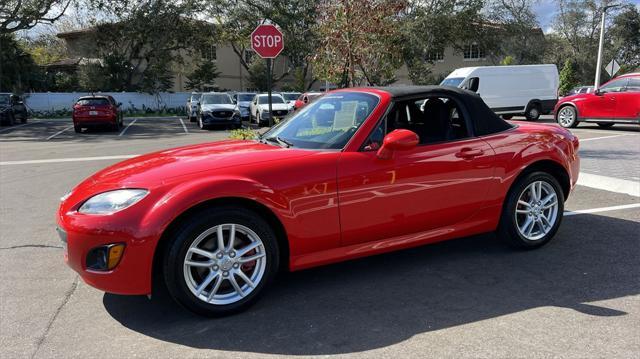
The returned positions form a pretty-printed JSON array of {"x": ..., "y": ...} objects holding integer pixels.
[{"x": 600, "y": 45}]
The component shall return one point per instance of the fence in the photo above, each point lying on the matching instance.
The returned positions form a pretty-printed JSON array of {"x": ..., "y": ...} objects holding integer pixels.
[{"x": 63, "y": 101}]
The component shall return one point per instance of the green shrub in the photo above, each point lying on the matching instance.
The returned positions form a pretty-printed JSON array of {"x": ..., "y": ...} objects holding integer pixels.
[{"x": 243, "y": 134}]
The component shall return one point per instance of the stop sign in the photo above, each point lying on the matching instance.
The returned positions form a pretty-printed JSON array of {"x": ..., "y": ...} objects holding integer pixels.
[{"x": 267, "y": 41}]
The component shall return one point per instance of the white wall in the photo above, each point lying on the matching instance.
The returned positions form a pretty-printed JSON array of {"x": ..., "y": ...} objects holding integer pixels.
[{"x": 54, "y": 101}]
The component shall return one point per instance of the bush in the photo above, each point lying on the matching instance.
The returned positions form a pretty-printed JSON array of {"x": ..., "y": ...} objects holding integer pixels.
[{"x": 243, "y": 134}]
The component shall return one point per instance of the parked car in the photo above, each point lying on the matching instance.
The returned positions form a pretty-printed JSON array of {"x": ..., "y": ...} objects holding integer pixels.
[
  {"x": 243, "y": 100},
  {"x": 529, "y": 90},
  {"x": 192, "y": 106},
  {"x": 580, "y": 89},
  {"x": 358, "y": 172},
  {"x": 290, "y": 98},
  {"x": 260, "y": 108},
  {"x": 217, "y": 108},
  {"x": 305, "y": 99},
  {"x": 97, "y": 111},
  {"x": 617, "y": 101},
  {"x": 12, "y": 109}
]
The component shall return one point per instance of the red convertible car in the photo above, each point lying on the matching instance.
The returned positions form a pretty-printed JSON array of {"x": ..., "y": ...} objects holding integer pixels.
[
  {"x": 355, "y": 173},
  {"x": 617, "y": 101}
]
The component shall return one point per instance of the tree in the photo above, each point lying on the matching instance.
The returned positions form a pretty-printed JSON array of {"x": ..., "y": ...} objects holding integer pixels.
[
  {"x": 360, "y": 41},
  {"x": 258, "y": 74},
  {"x": 567, "y": 77},
  {"x": 45, "y": 48},
  {"x": 624, "y": 36},
  {"x": 204, "y": 74},
  {"x": 18, "y": 71},
  {"x": 24, "y": 14}
]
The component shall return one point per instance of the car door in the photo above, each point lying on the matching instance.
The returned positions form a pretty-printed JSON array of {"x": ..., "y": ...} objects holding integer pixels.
[
  {"x": 603, "y": 102},
  {"x": 432, "y": 187},
  {"x": 628, "y": 101}
]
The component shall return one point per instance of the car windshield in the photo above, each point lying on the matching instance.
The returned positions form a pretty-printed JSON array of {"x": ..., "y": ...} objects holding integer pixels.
[
  {"x": 222, "y": 99},
  {"x": 245, "y": 97},
  {"x": 194, "y": 98},
  {"x": 92, "y": 102},
  {"x": 290, "y": 96},
  {"x": 328, "y": 123},
  {"x": 264, "y": 99},
  {"x": 452, "y": 81},
  {"x": 4, "y": 99}
]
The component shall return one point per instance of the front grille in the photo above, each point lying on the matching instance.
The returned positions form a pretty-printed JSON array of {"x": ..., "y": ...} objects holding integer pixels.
[{"x": 222, "y": 113}]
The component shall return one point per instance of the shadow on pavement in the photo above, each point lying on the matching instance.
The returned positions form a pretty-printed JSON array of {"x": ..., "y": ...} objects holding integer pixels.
[{"x": 379, "y": 301}]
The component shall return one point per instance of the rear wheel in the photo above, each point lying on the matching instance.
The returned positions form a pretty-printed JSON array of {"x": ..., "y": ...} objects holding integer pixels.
[
  {"x": 78, "y": 129},
  {"x": 533, "y": 112},
  {"x": 532, "y": 211},
  {"x": 605, "y": 124},
  {"x": 221, "y": 260},
  {"x": 567, "y": 117}
]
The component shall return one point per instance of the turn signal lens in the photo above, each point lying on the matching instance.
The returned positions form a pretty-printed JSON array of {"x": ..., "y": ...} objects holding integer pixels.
[
  {"x": 115, "y": 253},
  {"x": 105, "y": 258}
]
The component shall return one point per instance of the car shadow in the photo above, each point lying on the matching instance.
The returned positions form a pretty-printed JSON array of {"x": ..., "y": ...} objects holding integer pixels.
[{"x": 379, "y": 301}]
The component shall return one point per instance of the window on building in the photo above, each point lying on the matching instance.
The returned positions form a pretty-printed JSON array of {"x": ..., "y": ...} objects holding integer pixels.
[
  {"x": 435, "y": 55},
  {"x": 209, "y": 53},
  {"x": 473, "y": 52}
]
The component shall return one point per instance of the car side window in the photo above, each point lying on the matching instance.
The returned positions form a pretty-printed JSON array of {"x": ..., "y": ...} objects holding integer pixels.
[
  {"x": 614, "y": 86},
  {"x": 633, "y": 85}
]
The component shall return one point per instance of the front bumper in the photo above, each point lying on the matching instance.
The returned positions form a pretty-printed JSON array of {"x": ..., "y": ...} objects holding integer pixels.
[{"x": 212, "y": 119}]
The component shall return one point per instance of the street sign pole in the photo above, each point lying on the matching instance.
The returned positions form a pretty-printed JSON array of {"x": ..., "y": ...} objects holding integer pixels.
[{"x": 269, "y": 91}]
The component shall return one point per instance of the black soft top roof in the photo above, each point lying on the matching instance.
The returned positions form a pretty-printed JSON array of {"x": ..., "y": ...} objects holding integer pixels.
[{"x": 484, "y": 120}]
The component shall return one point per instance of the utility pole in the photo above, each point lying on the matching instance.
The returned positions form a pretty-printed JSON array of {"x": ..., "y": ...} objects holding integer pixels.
[{"x": 596, "y": 84}]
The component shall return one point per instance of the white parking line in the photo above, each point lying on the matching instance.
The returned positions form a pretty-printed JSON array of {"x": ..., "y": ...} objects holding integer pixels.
[
  {"x": 602, "y": 209},
  {"x": 183, "y": 126},
  {"x": 72, "y": 159},
  {"x": 127, "y": 127},
  {"x": 59, "y": 132},
  {"x": 603, "y": 137},
  {"x": 16, "y": 126},
  {"x": 632, "y": 188}
]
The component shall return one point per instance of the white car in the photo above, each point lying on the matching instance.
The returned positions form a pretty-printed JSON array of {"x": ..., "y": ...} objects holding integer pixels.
[
  {"x": 291, "y": 98},
  {"x": 260, "y": 108},
  {"x": 529, "y": 90},
  {"x": 192, "y": 106}
]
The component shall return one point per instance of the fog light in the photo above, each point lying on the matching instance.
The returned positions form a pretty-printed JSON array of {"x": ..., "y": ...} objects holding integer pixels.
[{"x": 105, "y": 258}]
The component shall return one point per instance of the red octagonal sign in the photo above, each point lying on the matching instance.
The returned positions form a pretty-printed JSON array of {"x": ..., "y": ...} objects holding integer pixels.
[{"x": 267, "y": 41}]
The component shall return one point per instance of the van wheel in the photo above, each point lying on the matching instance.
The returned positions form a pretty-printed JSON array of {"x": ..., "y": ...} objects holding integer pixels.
[
  {"x": 533, "y": 112},
  {"x": 567, "y": 117}
]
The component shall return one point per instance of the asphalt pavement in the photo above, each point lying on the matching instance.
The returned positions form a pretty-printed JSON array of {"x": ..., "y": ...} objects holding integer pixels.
[{"x": 578, "y": 297}]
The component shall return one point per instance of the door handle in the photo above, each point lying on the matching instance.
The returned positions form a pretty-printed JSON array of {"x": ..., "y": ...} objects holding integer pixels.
[{"x": 469, "y": 153}]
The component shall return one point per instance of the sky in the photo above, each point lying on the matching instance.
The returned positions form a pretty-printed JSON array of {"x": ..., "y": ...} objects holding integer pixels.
[{"x": 546, "y": 10}]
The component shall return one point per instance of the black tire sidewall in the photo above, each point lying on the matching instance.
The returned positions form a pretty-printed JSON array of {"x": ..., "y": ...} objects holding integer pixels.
[
  {"x": 186, "y": 234},
  {"x": 508, "y": 230},
  {"x": 528, "y": 112}
]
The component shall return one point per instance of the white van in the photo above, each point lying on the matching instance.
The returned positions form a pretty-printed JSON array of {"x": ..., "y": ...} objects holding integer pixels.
[{"x": 529, "y": 90}]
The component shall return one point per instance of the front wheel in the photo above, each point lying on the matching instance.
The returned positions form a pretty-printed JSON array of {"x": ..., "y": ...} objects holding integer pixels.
[
  {"x": 221, "y": 260},
  {"x": 567, "y": 117},
  {"x": 532, "y": 211}
]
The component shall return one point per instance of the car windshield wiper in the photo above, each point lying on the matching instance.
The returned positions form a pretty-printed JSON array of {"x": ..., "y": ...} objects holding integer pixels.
[{"x": 280, "y": 141}]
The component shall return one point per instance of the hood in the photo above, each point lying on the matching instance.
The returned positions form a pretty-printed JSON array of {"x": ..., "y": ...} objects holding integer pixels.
[
  {"x": 215, "y": 106},
  {"x": 154, "y": 168},
  {"x": 244, "y": 103},
  {"x": 275, "y": 106}
]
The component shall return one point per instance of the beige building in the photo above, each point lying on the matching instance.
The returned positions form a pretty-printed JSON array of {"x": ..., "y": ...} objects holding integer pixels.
[{"x": 82, "y": 49}]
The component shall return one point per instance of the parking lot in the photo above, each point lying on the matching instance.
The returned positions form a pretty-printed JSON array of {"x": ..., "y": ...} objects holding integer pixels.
[{"x": 473, "y": 297}]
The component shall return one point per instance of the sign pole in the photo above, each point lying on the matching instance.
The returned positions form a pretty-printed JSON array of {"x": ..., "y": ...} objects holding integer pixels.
[{"x": 269, "y": 91}]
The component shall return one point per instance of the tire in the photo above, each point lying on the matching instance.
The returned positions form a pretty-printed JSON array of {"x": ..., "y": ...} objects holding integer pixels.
[
  {"x": 78, "y": 129},
  {"x": 567, "y": 117},
  {"x": 605, "y": 124},
  {"x": 23, "y": 119},
  {"x": 12, "y": 119},
  {"x": 513, "y": 224},
  {"x": 192, "y": 119},
  {"x": 201, "y": 230},
  {"x": 533, "y": 112}
]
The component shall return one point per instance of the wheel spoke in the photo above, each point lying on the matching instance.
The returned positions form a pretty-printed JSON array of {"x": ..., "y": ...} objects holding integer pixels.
[
  {"x": 251, "y": 259},
  {"x": 531, "y": 227},
  {"x": 220, "y": 238},
  {"x": 246, "y": 279},
  {"x": 532, "y": 192},
  {"x": 522, "y": 211},
  {"x": 201, "y": 252},
  {"x": 526, "y": 204},
  {"x": 199, "y": 264},
  {"x": 206, "y": 282},
  {"x": 544, "y": 220},
  {"x": 538, "y": 186},
  {"x": 235, "y": 285},
  {"x": 548, "y": 198},
  {"x": 248, "y": 248},
  {"x": 215, "y": 288},
  {"x": 526, "y": 224},
  {"x": 232, "y": 236},
  {"x": 550, "y": 205}
]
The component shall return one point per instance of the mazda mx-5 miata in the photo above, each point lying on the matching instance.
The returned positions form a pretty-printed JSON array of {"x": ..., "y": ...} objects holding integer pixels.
[{"x": 355, "y": 173}]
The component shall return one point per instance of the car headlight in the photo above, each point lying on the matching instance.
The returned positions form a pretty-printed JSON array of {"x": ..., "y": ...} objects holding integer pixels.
[{"x": 112, "y": 201}]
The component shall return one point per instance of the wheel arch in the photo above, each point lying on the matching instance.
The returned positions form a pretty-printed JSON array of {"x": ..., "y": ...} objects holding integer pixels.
[
  {"x": 575, "y": 108},
  {"x": 259, "y": 208},
  {"x": 553, "y": 168}
]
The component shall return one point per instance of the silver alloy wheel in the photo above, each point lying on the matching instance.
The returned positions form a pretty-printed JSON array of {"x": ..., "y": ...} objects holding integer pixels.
[
  {"x": 537, "y": 210},
  {"x": 566, "y": 116},
  {"x": 224, "y": 264}
]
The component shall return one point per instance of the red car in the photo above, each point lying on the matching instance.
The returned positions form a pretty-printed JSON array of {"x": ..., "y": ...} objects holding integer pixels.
[
  {"x": 305, "y": 99},
  {"x": 617, "y": 101},
  {"x": 97, "y": 111},
  {"x": 358, "y": 172}
]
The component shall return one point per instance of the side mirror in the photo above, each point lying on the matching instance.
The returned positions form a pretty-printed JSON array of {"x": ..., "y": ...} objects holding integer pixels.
[
  {"x": 598, "y": 92},
  {"x": 398, "y": 140}
]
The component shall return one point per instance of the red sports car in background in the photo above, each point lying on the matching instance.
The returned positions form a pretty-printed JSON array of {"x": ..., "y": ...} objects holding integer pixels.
[
  {"x": 357, "y": 172},
  {"x": 617, "y": 101},
  {"x": 305, "y": 98},
  {"x": 97, "y": 111}
]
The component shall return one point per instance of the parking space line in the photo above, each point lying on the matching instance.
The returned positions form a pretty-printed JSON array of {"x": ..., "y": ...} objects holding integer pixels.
[
  {"x": 611, "y": 184},
  {"x": 72, "y": 159},
  {"x": 127, "y": 127},
  {"x": 16, "y": 126},
  {"x": 602, "y": 209},
  {"x": 183, "y": 126},
  {"x": 59, "y": 132},
  {"x": 602, "y": 137}
]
